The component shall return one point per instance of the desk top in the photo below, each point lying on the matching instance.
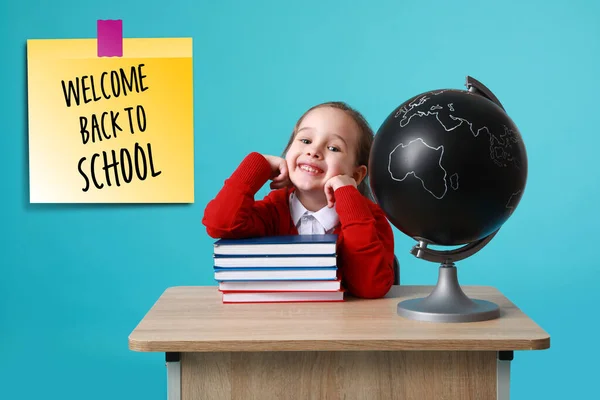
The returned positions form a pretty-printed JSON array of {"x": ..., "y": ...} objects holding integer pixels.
[{"x": 195, "y": 319}]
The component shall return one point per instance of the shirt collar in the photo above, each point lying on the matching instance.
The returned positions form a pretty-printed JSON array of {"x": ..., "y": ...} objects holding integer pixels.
[{"x": 326, "y": 216}]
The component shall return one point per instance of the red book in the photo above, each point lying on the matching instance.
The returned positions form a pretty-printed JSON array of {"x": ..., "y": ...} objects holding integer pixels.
[{"x": 282, "y": 297}]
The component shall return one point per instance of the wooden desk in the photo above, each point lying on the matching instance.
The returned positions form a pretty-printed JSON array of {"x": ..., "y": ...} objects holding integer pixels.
[{"x": 358, "y": 349}]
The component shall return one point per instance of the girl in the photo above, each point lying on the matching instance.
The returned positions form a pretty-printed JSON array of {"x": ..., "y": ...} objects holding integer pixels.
[{"x": 319, "y": 187}]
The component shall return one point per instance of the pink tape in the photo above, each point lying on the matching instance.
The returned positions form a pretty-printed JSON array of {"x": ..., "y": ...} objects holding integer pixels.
[{"x": 110, "y": 38}]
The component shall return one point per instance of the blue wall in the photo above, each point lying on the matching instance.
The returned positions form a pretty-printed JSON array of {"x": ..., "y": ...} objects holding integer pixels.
[{"x": 76, "y": 279}]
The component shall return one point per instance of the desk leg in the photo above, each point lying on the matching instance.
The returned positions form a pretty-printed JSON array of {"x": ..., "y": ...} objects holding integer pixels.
[
  {"x": 173, "y": 361},
  {"x": 503, "y": 374}
]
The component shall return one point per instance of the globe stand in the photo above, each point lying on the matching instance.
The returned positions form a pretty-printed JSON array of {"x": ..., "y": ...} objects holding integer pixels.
[{"x": 447, "y": 302}]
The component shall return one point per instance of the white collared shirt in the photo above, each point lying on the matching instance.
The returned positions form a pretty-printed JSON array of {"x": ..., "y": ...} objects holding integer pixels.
[{"x": 308, "y": 222}]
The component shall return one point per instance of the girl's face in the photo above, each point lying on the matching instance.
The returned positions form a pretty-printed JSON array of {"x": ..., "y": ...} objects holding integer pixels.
[{"x": 325, "y": 145}]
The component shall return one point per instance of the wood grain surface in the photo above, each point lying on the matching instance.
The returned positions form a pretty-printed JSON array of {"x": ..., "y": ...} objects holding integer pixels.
[
  {"x": 194, "y": 319},
  {"x": 349, "y": 375}
]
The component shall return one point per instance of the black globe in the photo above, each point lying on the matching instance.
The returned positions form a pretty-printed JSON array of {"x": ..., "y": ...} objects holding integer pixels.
[{"x": 448, "y": 167}]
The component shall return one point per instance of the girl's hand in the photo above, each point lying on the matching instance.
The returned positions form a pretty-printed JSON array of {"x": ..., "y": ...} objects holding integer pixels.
[
  {"x": 333, "y": 184},
  {"x": 279, "y": 172}
]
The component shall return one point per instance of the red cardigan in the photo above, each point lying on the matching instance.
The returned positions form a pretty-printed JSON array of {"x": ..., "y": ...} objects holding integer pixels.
[{"x": 365, "y": 238}]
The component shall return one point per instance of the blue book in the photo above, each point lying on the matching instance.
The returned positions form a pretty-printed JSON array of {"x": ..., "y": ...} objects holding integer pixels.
[{"x": 304, "y": 245}]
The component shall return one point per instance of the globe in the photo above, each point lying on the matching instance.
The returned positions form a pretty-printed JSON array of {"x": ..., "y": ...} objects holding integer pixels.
[{"x": 448, "y": 167}]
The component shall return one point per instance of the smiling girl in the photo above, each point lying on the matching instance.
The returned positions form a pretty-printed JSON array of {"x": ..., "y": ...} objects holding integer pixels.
[{"x": 319, "y": 187}]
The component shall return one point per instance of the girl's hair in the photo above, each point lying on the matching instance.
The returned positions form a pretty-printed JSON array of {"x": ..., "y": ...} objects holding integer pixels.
[{"x": 365, "y": 139}]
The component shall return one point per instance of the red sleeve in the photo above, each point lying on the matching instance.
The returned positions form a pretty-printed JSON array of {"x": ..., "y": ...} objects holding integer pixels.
[
  {"x": 367, "y": 248},
  {"x": 234, "y": 213}
]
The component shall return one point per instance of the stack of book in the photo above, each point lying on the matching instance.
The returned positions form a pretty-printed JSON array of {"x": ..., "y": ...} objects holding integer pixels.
[{"x": 293, "y": 268}]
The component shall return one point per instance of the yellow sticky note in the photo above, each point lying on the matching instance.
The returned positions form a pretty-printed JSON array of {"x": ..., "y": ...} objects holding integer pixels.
[{"x": 110, "y": 129}]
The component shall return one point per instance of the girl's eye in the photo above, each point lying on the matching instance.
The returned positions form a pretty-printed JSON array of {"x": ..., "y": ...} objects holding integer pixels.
[
  {"x": 333, "y": 148},
  {"x": 305, "y": 141}
]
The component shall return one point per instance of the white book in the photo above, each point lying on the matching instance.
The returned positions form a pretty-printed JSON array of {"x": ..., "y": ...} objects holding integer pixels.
[
  {"x": 274, "y": 286},
  {"x": 249, "y": 262},
  {"x": 290, "y": 274},
  {"x": 279, "y": 297}
]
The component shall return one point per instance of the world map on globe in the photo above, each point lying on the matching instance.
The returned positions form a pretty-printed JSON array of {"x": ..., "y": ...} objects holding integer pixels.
[
  {"x": 438, "y": 182},
  {"x": 448, "y": 166}
]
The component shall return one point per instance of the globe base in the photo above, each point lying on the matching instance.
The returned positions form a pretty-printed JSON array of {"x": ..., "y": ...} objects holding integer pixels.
[{"x": 448, "y": 303}]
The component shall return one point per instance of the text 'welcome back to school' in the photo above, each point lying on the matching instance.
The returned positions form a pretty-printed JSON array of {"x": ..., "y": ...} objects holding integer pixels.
[{"x": 122, "y": 164}]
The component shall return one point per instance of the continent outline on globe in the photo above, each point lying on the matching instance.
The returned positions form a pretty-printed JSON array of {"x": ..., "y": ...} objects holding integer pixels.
[
  {"x": 414, "y": 173},
  {"x": 498, "y": 143},
  {"x": 410, "y": 110},
  {"x": 448, "y": 166}
]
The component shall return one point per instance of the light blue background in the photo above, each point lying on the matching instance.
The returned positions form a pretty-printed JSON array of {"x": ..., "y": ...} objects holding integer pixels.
[{"x": 75, "y": 280}]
